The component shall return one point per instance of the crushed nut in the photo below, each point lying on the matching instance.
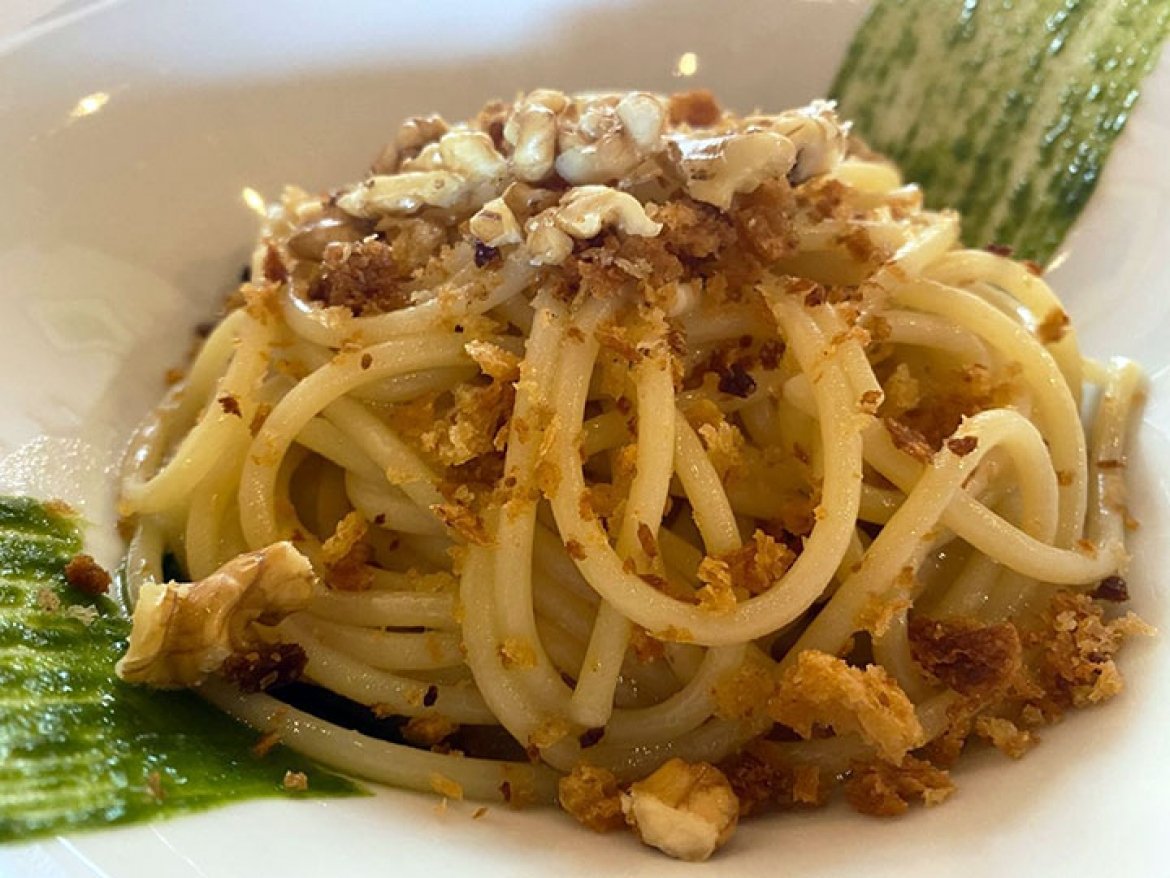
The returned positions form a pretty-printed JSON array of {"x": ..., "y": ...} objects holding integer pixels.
[
  {"x": 182, "y": 632},
  {"x": 686, "y": 810}
]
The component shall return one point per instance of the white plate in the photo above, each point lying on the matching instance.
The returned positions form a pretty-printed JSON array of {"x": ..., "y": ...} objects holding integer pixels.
[{"x": 127, "y": 134}]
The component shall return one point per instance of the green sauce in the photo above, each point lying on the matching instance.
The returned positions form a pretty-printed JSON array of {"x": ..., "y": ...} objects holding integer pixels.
[
  {"x": 79, "y": 748},
  {"x": 1003, "y": 109}
]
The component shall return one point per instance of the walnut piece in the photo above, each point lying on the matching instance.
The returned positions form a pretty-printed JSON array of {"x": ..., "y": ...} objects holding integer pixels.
[
  {"x": 461, "y": 170},
  {"x": 495, "y": 224},
  {"x": 610, "y": 136},
  {"x": 581, "y": 214},
  {"x": 716, "y": 169},
  {"x": 182, "y": 632},
  {"x": 686, "y": 810}
]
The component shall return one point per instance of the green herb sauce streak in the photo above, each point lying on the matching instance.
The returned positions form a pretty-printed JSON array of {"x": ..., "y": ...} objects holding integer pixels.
[
  {"x": 1005, "y": 110},
  {"x": 81, "y": 749}
]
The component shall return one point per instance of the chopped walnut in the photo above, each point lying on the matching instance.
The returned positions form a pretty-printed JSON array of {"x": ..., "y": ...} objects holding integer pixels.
[
  {"x": 718, "y": 168},
  {"x": 686, "y": 810},
  {"x": 531, "y": 130},
  {"x": 581, "y": 214},
  {"x": 606, "y": 137},
  {"x": 461, "y": 170},
  {"x": 182, "y": 632},
  {"x": 495, "y": 225}
]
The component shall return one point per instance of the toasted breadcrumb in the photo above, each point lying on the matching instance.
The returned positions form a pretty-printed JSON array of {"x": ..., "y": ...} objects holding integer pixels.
[
  {"x": 516, "y": 652},
  {"x": 1077, "y": 649},
  {"x": 973, "y": 659},
  {"x": 646, "y": 647},
  {"x": 428, "y": 729},
  {"x": 880, "y": 789},
  {"x": 464, "y": 522},
  {"x": 745, "y": 692},
  {"x": 822, "y": 690},
  {"x": 552, "y": 730},
  {"x": 344, "y": 555},
  {"x": 763, "y": 780},
  {"x": 1053, "y": 327},
  {"x": 716, "y": 595},
  {"x": 446, "y": 787},
  {"x": 265, "y": 744},
  {"x": 266, "y": 667},
  {"x": 908, "y": 440},
  {"x": 759, "y": 563},
  {"x": 86, "y": 575},
  {"x": 592, "y": 797},
  {"x": 1005, "y": 735},
  {"x": 295, "y": 781},
  {"x": 363, "y": 277},
  {"x": 47, "y": 600}
]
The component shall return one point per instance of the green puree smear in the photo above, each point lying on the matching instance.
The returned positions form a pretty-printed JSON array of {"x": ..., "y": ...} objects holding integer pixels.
[
  {"x": 78, "y": 748},
  {"x": 1003, "y": 109}
]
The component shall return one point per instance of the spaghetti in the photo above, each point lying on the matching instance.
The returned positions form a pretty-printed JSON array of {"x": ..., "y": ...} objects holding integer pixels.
[{"x": 635, "y": 430}]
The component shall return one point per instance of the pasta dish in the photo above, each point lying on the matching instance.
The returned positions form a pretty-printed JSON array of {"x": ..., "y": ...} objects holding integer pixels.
[{"x": 622, "y": 451}]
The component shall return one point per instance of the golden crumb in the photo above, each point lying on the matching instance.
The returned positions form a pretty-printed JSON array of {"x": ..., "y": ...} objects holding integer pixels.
[
  {"x": 295, "y": 781},
  {"x": 716, "y": 595},
  {"x": 428, "y": 729},
  {"x": 592, "y": 797},
  {"x": 745, "y": 692},
  {"x": 759, "y": 563},
  {"x": 552, "y": 730},
  {"x": 646, "y": 647},
  {"x": 345, "y": 554},
  {"x": 86, "y": 575},
  {"x": 973, "y": 659},
  {"x": 265, "y": 744},
  {"x": 881, "y": 610},
  {"x": 822, "y": 690},
  {"x": 908, "y": 440},
  {"x": 880, "y": 789},
  {"x": 47, "y": 600},
  {"x": 1077, "y": 648},
  {"x": 445, "y": 786},
  {"x": 1005, "y": 735},
  {"x": 516, "y": 653},
  {"x": 464, "y": 522},
  {"x": 1053, "y": 327}
]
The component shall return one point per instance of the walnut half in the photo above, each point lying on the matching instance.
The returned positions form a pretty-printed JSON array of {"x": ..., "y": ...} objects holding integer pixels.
[
  {"x": 687, "y": 810},
  {"x": 182, "y": 632}
]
